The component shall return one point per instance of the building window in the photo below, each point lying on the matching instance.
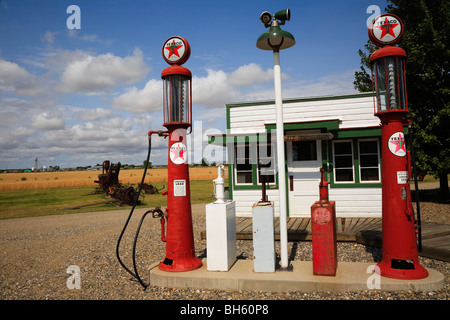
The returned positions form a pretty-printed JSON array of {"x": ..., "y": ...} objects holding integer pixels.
[
  {"x": 253, "y": 163},
  {"x": 369, "y": 164},
  {"x": 343, "y": 161},
  {"x": 304, "y": 150},
  {"x": 244, "y": 170},
  {"x": 266, "y": 165}
]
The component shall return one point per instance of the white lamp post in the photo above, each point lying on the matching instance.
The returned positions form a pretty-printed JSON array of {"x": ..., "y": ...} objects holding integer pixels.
[{"x": 275, "y": 40}]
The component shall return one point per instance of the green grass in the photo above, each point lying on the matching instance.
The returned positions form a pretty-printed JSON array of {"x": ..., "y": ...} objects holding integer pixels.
[{"x": 55, "y": 201}]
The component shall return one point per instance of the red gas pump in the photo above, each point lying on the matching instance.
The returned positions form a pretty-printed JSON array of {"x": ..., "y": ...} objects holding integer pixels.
[
  {"x": 399, "y": 246},
  {"x": 323, "y": 230},
  {"x": 180, "y": 250}
]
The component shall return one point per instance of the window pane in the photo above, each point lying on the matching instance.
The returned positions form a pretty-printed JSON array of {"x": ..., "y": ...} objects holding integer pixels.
[
  {"x": 343, "y": 148},
  {"x": 304, "y": 150},
  {"x": 265, "y": 164},
  {"x": 381, "y": 85},
  {"x": 344, "y": 175},
  {"x": 244, "y": 172},
  {"x": 267, "y": 174},
  {"x": 343, "y": 161},
  {"x": 243, "y": 167},
  {"x": 244, "y": 177},
  {"x": 368, "y": 160},
  {"x": 370, "y": 174},
  {"x": 368, "y": 147}
]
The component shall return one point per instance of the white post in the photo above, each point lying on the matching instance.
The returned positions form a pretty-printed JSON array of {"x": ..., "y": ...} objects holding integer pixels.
[{"x": 281, "y": 160}]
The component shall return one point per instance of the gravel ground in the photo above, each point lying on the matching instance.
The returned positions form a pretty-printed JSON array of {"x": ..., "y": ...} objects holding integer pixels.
[{"x": 36, "y": 253}]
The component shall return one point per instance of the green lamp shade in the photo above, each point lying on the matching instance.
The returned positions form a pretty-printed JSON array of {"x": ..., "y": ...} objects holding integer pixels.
[{"x": 275, "y": 38}]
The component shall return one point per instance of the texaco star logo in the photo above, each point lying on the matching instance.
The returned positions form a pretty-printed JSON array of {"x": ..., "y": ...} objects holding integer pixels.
[
  {"x": 397, "y": 144},
  {"x": 386, "y": 29},
  {"x": 321, "y": 216},
  {"x": 172, "y": 49},
  {"x": 178, "y": 153},
  {"x": 176, "y": 50}
]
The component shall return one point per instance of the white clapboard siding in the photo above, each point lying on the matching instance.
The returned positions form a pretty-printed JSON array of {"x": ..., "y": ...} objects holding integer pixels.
[
  {"x": 357, "y": 202},
  {"x": 353, "y": 202},
  {"x": 245, "y": 199},
  {"x": 352, "y": 113}
]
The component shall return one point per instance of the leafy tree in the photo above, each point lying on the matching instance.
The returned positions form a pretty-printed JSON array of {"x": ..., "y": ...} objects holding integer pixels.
[{"x": 425, "y": 40}]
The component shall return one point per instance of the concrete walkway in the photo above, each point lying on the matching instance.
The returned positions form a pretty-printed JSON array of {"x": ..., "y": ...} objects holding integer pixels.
[{"x": 350, "y": 276}]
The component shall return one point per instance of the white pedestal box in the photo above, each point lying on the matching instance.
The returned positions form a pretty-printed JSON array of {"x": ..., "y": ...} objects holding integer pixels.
[
  {"x": 220, "y": 236},
  {"x": 263, "y": 238}
]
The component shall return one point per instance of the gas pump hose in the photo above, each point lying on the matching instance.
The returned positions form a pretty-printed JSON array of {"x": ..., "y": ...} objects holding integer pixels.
[{"x": 135, "y": 274}]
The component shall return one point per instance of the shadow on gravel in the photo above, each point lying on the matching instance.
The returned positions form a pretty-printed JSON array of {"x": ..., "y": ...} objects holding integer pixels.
[{"x": 429, "y": 195}]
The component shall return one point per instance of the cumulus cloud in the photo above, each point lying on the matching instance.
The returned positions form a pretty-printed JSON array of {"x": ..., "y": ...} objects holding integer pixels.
[
  {"x": 45, "y": 121},
  {"x": 94, "y": 114},
  {"x": 16, "y": 79},
  {"x": 147, "y": 99},
  {"x": 95, "y": 74},
  {"x": 250, "y": 74},
  {"x": 213, "y": 90}
]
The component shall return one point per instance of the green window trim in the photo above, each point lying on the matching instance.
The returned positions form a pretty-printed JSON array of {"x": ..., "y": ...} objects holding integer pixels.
[
  {"x": 356, "y": 168},
  {"x": 253, "y": 141}
]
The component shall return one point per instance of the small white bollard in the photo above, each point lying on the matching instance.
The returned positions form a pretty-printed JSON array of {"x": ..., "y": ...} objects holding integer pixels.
[
  {"x": 220, "y": 236},
  {"x": 263, "y": 238}
]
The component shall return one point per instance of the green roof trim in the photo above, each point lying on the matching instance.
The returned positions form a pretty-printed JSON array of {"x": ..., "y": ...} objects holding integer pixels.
[{"x": 321, "y": 98}]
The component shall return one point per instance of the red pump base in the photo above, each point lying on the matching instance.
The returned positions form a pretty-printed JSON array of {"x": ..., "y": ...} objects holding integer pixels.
[
  {"x": 183, "y": 262},
  {"x": 179, "y": 238},
  {"x": 405, "y": 269},
  {"x": 399, "y": 249}
]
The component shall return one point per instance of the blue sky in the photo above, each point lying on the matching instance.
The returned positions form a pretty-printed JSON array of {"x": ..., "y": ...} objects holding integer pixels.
[{"x": 78, "y": 97}]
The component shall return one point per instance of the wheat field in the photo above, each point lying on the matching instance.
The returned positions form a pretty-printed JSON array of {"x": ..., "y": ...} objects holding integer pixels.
[{"x": 61, "y": 179}]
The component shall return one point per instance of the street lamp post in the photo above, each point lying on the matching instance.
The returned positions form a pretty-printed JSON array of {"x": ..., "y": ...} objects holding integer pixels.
[{"x": 275, "y": 40}]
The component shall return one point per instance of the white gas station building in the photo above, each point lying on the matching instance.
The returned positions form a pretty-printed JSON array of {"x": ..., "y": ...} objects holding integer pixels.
[{"x": 337, "y": 133}]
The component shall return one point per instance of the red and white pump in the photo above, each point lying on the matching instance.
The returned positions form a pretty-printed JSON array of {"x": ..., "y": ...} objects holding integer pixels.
[
  {"x": 399, "y": 246},
  {"x": 179, "y": 239}
]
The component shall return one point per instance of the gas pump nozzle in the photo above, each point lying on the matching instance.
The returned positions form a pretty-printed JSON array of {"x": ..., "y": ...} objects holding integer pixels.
[
  {"x": 158, "y": 213},
  {"x": 159, "y": 133}
]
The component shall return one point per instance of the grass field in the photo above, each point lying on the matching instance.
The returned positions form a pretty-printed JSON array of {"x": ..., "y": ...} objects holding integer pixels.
[
  {"x": 53, "y": 201},
  {"x": 40, "y": 180},
  {"x": 49, "y": 193}
]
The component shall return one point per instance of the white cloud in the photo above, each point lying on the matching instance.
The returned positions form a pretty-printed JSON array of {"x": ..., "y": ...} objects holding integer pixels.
[
  {"x": 16, "y": 79},
  {"x": 146, "y": 100},
  {"x": 333, "y": 84},
  {"x": 250, "y": 74},
  {"x": 94, "y": 114},
  {"x": 22, "y": 132},
  {"x": 213, "y": 90},
  {"x": 95, "y": 74},
  {"x": 45, "y": 121},
  {"x": 49, "y": 37}
]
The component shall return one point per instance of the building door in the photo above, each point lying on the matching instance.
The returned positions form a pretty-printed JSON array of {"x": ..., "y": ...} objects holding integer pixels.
[{"x": 304, "y": 160}]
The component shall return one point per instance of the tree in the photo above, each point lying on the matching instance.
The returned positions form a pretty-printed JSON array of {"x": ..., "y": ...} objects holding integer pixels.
[
  {"x": 145, "y": 163},
  {"x": 425, "y": 40},
  {"x": 363, "y": 78}
]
